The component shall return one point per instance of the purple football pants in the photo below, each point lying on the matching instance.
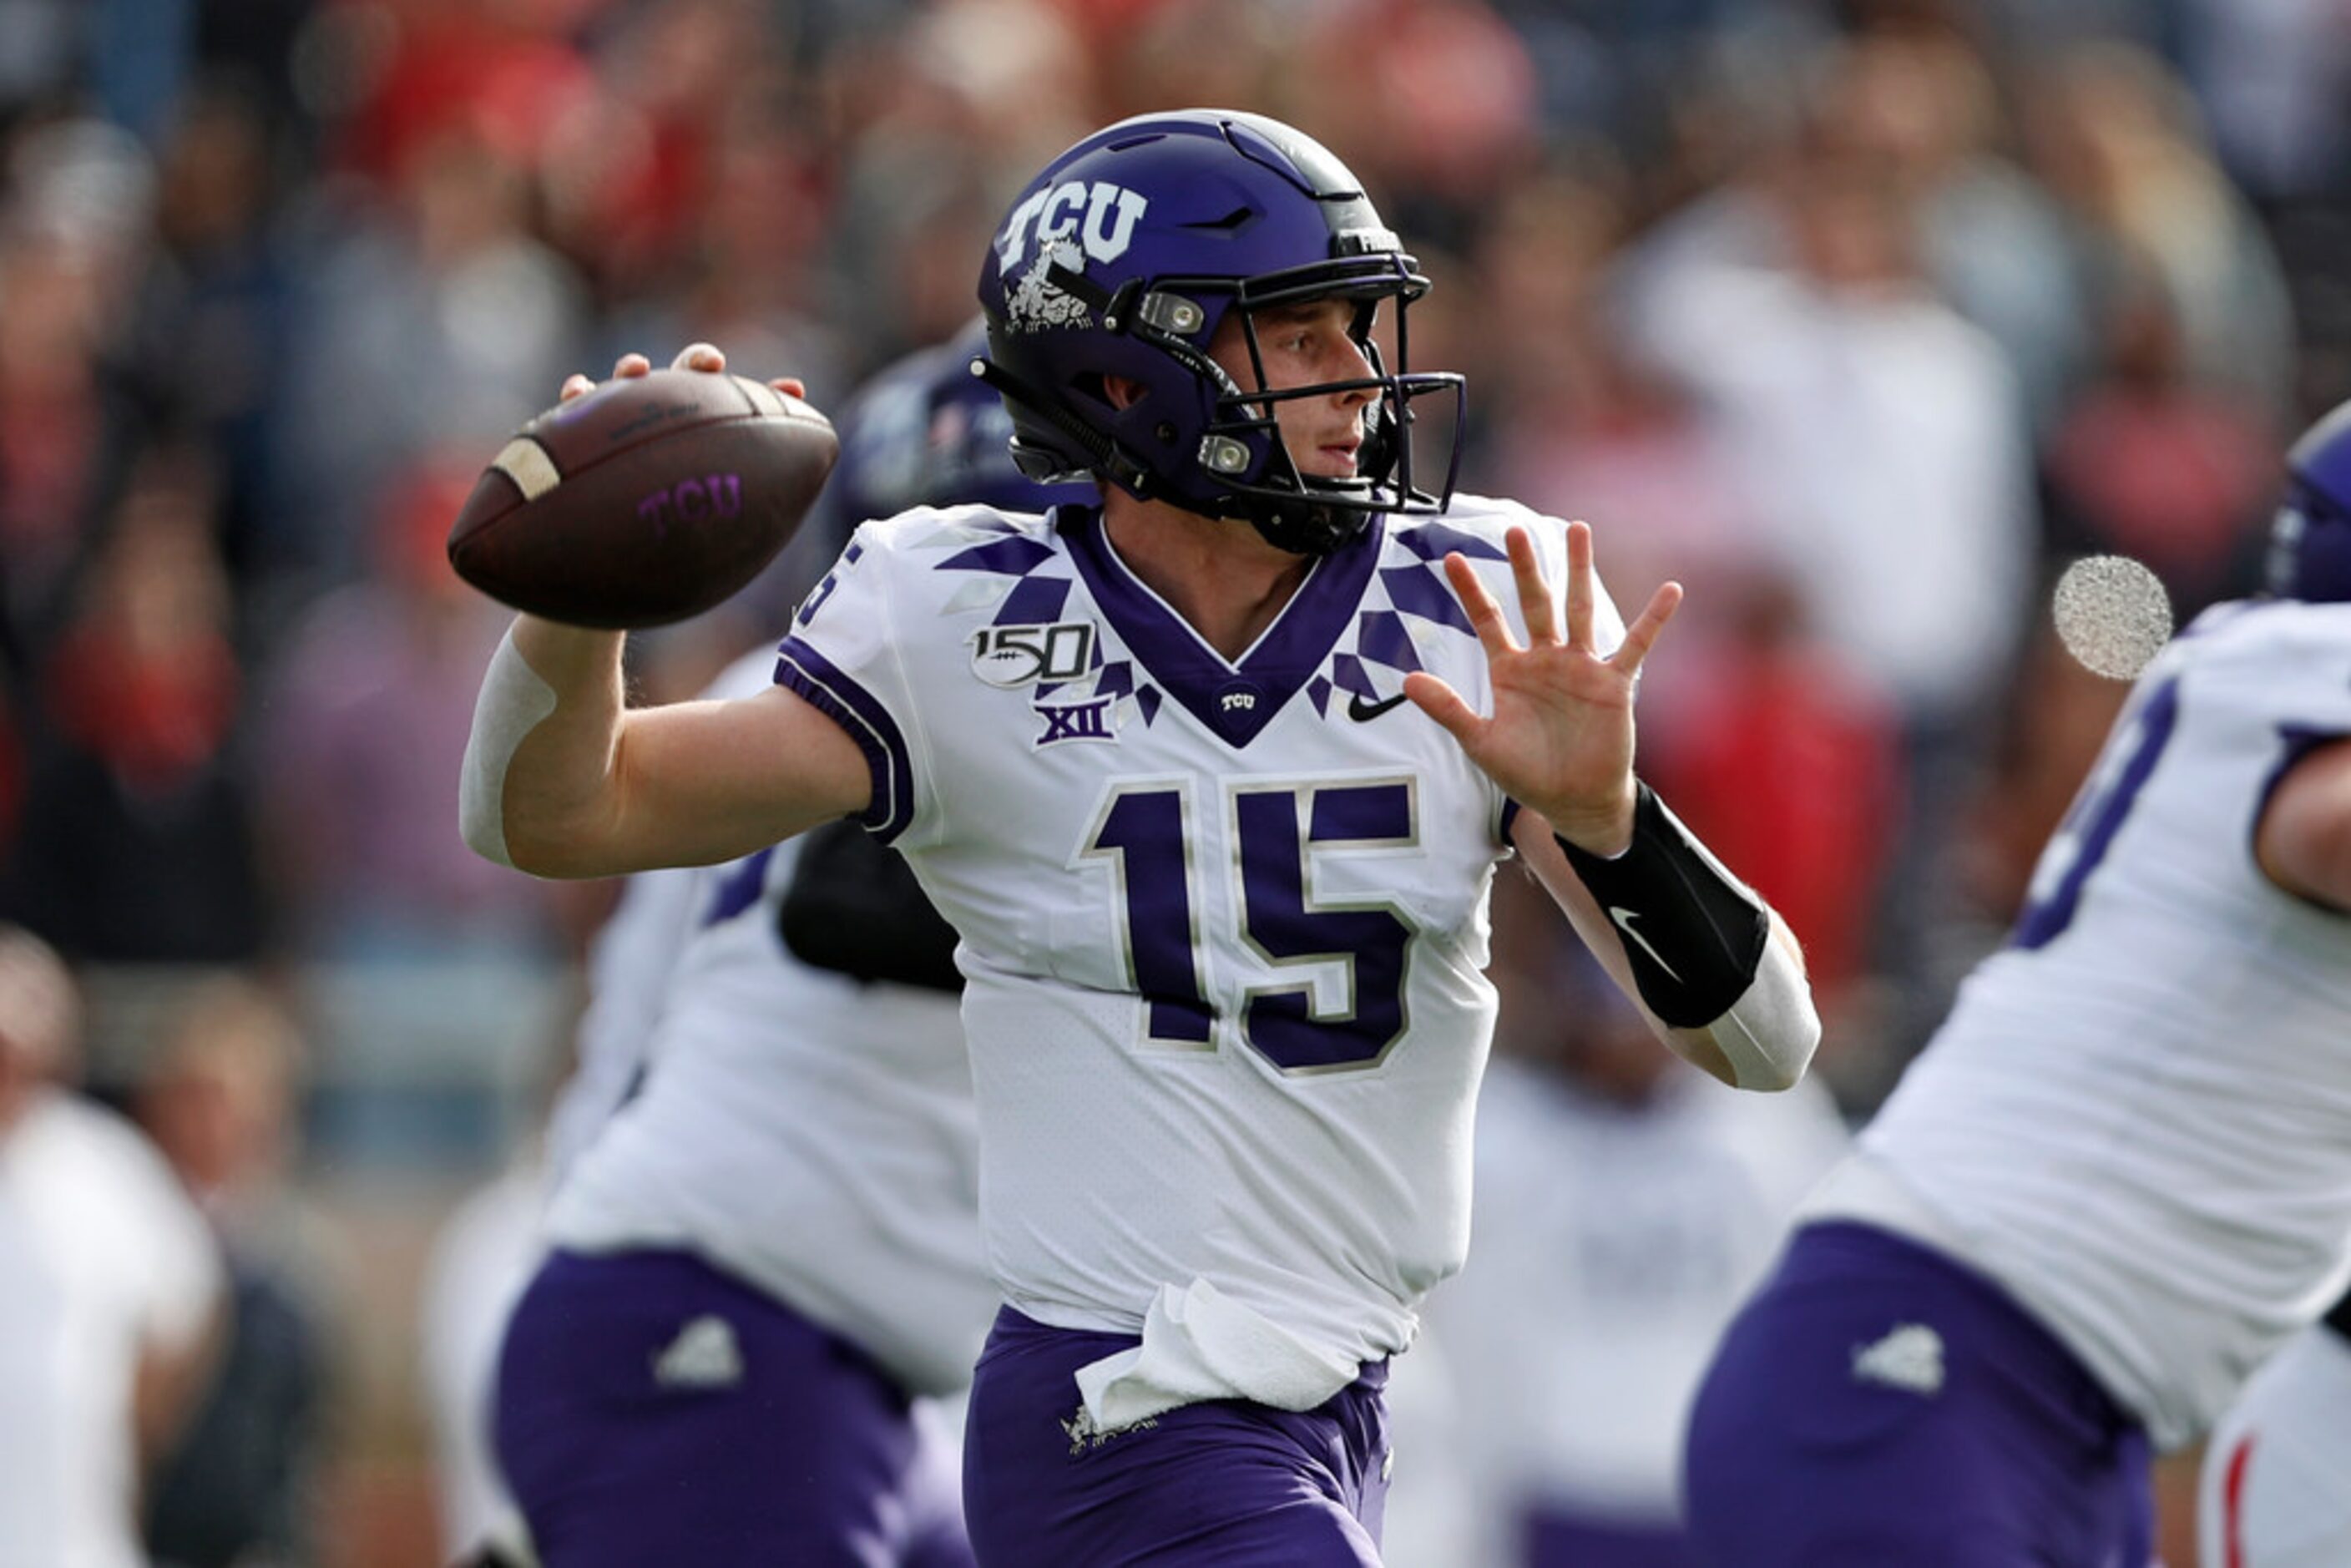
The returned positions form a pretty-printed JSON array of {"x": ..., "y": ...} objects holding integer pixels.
[
  {"x": 1226, "y": 1482},
  {"x": 652, "y": 1410},
  {"x": 1553, "y": 1538},
  {"x": 1879, "y": 1403}
]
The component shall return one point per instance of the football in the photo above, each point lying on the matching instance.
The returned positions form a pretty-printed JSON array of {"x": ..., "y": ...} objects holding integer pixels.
[{"x": 644, "y": 502}]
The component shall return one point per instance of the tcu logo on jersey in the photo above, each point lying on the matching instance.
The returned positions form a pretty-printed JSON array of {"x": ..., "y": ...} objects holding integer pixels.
[
  {"x": 1099, "y": 216},
  {"x": 693, "y": 500},
  {"x": 1012, "y": 657}
]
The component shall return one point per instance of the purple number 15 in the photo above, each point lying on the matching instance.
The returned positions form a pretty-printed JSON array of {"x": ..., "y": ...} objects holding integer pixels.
[{"x": 1145, "y": 835}]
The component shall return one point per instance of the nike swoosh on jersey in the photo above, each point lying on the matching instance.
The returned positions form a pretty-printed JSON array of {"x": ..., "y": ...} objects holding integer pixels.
[
  {"x": 1363, "y": 711},
  {"x": 1624, "y": 919}
]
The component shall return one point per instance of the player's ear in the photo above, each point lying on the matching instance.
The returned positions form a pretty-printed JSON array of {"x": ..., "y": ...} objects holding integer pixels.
[{"x": 1123, "y": 392}]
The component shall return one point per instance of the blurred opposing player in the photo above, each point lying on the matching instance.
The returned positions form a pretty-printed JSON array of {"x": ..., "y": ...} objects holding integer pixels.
[
  {"x": 1221, "y": 904},
  {"x": 2272, "y": 1493},
  {"x": 2120, "y": 1176},
  {"x": 765, "y": 1229}
]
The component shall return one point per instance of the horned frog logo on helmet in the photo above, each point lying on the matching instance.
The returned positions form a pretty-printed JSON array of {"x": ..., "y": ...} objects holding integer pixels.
[
  {"x": 1034, "y": 304},
  {"x": 1074, "y": 222}
]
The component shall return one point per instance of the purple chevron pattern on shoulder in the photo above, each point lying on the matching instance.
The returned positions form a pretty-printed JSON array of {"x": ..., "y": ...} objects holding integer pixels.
[
  {"x": 1433, "y": 541},
  {"x": 1015, "y": 556},
  {"x": 1034, "y": 602},
  {"x": 1381, "y": 637},
  {"x": 1419, "y": 591}
]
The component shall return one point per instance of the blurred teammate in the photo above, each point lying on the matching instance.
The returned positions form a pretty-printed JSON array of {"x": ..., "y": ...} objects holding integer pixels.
[
  {"x": 2120, "y": 1177},
  {"x": 1221, "y": 906},
  {"x": 2273, "y": 1492},
  {"x": 765, "y": 1233}
]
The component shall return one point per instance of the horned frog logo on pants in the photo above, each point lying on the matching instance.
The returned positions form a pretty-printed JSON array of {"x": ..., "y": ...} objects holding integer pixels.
[
  {"x": 1072, "y": 225},
  {"x": 1911, "y": 1358}
]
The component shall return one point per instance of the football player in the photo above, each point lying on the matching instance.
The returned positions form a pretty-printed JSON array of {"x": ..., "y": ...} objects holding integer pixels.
[
  {"x": 2120, "y": 1175},
  {"x": 1211, "y": 779},
  {"x": 2272, "y": 1494},
  {"x": 765, "y": 1241}
]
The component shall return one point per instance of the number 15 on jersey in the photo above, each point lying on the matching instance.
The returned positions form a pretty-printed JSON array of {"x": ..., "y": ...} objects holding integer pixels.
[{"x": 1145, "y": 833}]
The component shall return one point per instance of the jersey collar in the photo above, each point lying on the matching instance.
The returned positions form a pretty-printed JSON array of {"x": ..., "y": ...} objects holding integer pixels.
[{"x": 1234, "y": 701}]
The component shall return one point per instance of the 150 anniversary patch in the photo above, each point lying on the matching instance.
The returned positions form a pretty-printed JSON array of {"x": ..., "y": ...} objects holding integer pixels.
[{"x": 1013, "y": 656}]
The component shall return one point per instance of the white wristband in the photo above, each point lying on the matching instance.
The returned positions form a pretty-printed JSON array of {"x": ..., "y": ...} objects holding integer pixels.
[{"x": 513, "y": 702}]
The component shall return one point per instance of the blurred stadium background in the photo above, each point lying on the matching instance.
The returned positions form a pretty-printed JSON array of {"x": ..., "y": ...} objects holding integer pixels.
[{"x": 1862, "y": 318}]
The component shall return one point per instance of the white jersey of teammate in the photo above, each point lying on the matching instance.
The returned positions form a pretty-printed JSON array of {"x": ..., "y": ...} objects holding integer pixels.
[
  {"x": 809, "y": 1133},
  {"x": 2272, "y": 1492},
  {"x": 2137, "y": 1117},
  {"x": 629, "y": 967},
  {"x": 1223, "y": 924}
]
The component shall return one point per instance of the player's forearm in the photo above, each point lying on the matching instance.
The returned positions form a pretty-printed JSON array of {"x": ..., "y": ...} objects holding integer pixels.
[
  {"x": 1717, "y": 972},
  {"x": 2304, "y": 842},
  {"x": 539, "y": 780},
  {"x": 2321, "y": 870},
  {"x": 2330, "y": 876},
  {"x": 1766, "y": 1038}
]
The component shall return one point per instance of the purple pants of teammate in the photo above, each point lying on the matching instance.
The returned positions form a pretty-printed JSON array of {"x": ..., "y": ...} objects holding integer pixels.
[
  {"x": 1878, "y": 1404},
  {"x": 652, "y": 1410},
  {"x": 1557, "y": 1538},
  {"x": 1226, "y": 1482}
]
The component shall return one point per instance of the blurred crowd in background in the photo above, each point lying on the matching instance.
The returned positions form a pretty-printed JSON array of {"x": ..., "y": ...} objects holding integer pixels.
[{"x": 1862, "y": 318}]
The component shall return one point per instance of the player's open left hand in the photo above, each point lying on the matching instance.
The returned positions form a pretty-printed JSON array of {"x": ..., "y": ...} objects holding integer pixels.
[
  {"x": 1560, "y": 739},
  {"x": 693, "y": 357}
]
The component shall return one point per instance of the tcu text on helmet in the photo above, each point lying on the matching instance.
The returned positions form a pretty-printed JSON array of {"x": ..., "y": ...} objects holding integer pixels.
[{"x": 1100, "y": 215}]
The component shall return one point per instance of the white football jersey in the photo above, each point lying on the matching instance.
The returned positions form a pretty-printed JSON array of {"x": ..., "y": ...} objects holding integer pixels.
[
  {"x": 809, "y": 1133},
  {"x": 2269, "y": 1493},
  {"x": 1223, "y": 924},
  {"x": 628, "y": 965},
  {"x": 2139, "y": 1114}
]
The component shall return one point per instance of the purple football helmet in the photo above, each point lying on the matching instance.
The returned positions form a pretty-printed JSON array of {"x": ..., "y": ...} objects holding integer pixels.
[
  {"x": 2310, "y": 543},
  {"x": 1123, "y": 256}
]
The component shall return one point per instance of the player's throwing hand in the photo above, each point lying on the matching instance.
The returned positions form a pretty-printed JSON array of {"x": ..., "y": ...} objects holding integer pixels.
[{"x": 693, "y": 357}]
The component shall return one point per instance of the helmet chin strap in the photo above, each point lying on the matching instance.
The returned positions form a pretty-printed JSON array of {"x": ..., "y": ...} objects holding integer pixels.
[
  {"x": 1109, "y": 461},
  {"x": 1308, "y": 527}
]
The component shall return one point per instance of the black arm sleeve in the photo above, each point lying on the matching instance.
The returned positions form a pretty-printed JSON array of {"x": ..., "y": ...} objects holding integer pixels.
[{"x": 1693, "y": 932}]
